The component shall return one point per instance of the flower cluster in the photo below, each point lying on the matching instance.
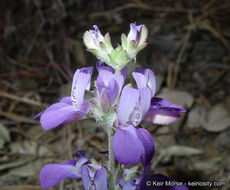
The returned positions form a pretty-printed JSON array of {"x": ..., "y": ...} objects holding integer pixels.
[{"x": 116, "y": 106}]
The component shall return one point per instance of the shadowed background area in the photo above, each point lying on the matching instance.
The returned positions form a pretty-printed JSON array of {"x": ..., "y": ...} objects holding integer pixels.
[{"x": 188, "y": 49}]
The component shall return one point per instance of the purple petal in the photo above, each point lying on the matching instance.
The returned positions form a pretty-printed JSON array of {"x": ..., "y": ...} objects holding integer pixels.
[
  {"x": 58, "y": 114},
  {"x": 148, "y": 144},
  {"x": 145, "y": 98},
  {"x": 81, "y": 161},
  {"x": 38, "y": 115},
  {"x": 107, "y": 76},
  {"x": 100, "y": 179},
  {"x": 141, "y": 107},
  {"x": 160, "y": 102},
  {"x": 113, "y": 91},
  {"x": 52, "y": 174},
  {"x": 124, "y": 72},
  {"x": 128, "y": 100},
  {"x": 66, "y": 100},
  {"x": 145, "y": 78},
  {"x": 127, "y": 148},
  {"x": 129, "y": 186},
  {"x": 163, "y": 112},
  {"x": 134, "y": 33},
  {"x": 140, "y": 79},
  {"x": 104, "y": 100},
  {"x": 81, "y": 82},
  {"x": 86, "y": 180},
  {"x": 80, "y": 153},
  {"x": 102, "y": 66},
  {"x": 96, "y": 34},
  {"x": 100, "y": 83}
]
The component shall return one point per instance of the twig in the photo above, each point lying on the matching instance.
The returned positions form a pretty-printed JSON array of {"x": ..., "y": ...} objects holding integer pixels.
[
  {"x": 55, "y": 65},
  {"x": 22, "y": 99},
  {"x": 178, "y": 61}
]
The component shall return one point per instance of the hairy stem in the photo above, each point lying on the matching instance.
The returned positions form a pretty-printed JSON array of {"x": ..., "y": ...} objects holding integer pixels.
[{"x": 111, "y": 162}]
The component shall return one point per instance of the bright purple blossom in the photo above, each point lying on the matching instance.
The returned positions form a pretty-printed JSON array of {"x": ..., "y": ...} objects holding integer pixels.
[
  {"x": 130, "y": 144},
  {"x": 70, "y": 109},
  {"x": 52, "y": 174}
]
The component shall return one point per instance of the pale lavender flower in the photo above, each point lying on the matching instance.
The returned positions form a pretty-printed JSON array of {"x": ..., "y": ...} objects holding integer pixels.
[{"x": 70, "y": 109}]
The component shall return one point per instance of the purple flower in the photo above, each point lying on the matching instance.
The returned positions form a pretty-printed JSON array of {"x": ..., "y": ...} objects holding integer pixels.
[
  {"x": 109, "y": 86},
  {"x": 161, "y": 111},
  {"x": 52, "y": 174},
  {"x": 145, "y": 78},
  {"x": 70, "y": 109},
  {"x": 94, "y": 180},
  {"x": 132, "y": 144}
]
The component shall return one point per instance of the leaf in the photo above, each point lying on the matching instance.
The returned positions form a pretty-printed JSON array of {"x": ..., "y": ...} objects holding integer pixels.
[{"x": 218, "y": 119}]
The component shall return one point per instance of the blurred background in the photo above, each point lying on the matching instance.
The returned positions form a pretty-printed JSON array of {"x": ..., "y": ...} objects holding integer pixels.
[{"x": 188, "y": 50}]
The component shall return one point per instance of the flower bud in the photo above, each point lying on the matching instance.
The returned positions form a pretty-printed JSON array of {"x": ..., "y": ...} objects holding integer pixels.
[
  {"x": 99, "y": 45},
  {"x": 135, "y": 41}
]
